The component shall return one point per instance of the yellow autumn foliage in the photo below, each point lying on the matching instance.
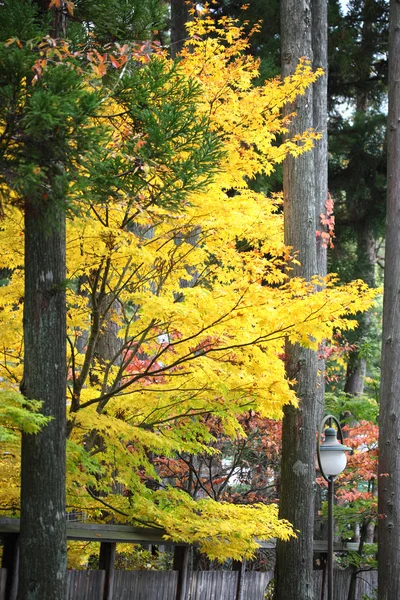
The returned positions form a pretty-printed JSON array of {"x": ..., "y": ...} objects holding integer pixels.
[{"x": 174, "y": 316}]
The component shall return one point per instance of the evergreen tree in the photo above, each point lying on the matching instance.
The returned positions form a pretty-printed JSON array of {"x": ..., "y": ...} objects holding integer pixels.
[
  {"x": 357, "y": 89},
  {"x": 388, "y": 479}
]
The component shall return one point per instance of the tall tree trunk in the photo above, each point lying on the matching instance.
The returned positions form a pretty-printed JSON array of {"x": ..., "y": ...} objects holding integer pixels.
[
  {"x": 43, "y": 525},
  {"x": 320, "y": 118},
  {"x": 389, "y": 439},
  {"x": 43, "y": 552},
  {"x": 294, "y": 571},
  {"x": 180, "y": 15}
]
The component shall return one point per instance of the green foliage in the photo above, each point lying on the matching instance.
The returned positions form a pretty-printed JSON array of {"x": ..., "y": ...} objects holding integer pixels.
[
  {"x": 351, "y": 408},
  {"x": 45, "y": 124},
  {"x": 19, "y": 19},
  {"x": 269, "y": 592},
  {"x": 369, "y": 597},
  {"x": 123, "y": 21},
  {"x": 19, "y": 414},
  {"x": 357, "y": 50},
  {"x": 364, "y": 559},
  {"x": 178, "y": 147},
  {"x": 55, "y": 142},
  {"x": 357, "y": 175}
]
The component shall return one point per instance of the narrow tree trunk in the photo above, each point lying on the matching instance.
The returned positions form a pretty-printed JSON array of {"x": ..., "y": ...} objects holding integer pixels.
[
  {"x": 389, "y": 439},
  {"x": 180, "y": 15},
  {"x": 43, "y": 525},
  {"x": 320, "y": 119},
  {"x": 294, "y": 571},
  {"x": 366, "y": 259}
]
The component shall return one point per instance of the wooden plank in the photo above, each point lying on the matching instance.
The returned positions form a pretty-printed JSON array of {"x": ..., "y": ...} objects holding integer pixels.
[
  {"x": 181, "y": 564},
  {"x": 93, "y": 532},
  {"x": 214, "y": 585},
  {"x": 145, "y": 585},
  {"x": 114, "y": 533},
  {"x": 3, "y": 581},
  {"x": 85, "y": 585},
  {"x": 367, "y": 584},
  {"x": 255, "y": 584},
  {"x": 240, "y": 567},
  {"x": 107, "y": 564}
]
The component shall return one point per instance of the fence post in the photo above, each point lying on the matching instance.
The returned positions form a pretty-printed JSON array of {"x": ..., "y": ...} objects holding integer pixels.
[
  {"x": 180, "y": 564},
  {"x": 240, "y": 567},
  {"x": 11, "y": 563},
  {"x": 107, "y": 563}
]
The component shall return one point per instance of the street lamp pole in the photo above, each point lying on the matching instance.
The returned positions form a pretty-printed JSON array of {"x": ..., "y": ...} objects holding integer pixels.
[
  {"x": 331, "y": 460},
  {"x": 331, "y": 486}
]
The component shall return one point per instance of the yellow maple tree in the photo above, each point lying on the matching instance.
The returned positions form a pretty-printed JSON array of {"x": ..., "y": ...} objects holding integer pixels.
[{"x": 169, "y": 319}]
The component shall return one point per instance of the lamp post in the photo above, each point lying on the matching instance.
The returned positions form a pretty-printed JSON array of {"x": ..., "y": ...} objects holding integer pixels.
[{"x": 332, "y": 461}]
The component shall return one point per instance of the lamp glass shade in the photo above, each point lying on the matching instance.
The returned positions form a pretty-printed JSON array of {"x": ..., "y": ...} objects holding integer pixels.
[
  {"x": 332, "y": 454},
  {"x": 333, "y": 462}
]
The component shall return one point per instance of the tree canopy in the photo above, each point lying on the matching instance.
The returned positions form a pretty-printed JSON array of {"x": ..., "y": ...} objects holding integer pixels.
[{"x": 178, "y": 304}]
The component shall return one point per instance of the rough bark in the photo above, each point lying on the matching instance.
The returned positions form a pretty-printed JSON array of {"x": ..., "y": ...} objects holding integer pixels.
[
  {"x": 294, "y": 568},
  {"x": 43, "y": 525},
  {"x": 320, "y": 119},
  {"x": 180, "y": 15},
  {"x": 43, "y": 538},
  {"x": 389, "y": 439}
]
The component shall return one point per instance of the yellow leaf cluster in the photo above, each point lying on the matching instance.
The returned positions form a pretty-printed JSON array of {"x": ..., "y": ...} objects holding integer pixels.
[{"x": 183, "y": 315}]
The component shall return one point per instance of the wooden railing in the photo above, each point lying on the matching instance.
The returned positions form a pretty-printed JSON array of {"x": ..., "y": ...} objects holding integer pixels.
[
  {"x": 178, "y": 584},
  {"x": 202, "y": 585}
]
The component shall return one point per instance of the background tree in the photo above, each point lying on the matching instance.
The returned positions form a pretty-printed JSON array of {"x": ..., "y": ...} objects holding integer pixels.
[
  {"x": 388, "y": 480},
  {"x": 357, "y": 168},
  {"x": 295, "y": 560}
]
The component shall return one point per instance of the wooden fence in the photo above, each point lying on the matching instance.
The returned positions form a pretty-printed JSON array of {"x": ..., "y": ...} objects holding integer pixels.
[
  {"x": 223, "y": 585},
  {"x": 367, "y": 583},
  {"x": 201, "y": 585},
  {"x": 145, "y": 585},
  {"x": 85, "y": 585},
  {"x": 3, "y": 579}
]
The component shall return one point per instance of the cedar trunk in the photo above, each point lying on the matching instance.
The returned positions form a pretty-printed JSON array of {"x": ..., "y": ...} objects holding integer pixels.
[
  {"x": 295, "y": 558},
  {"x": 43, "y": 537},
  {"x": 43, "y": 525},
  {"x": 389, "y": 439},
  {"x": 320, "y": 118}
]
